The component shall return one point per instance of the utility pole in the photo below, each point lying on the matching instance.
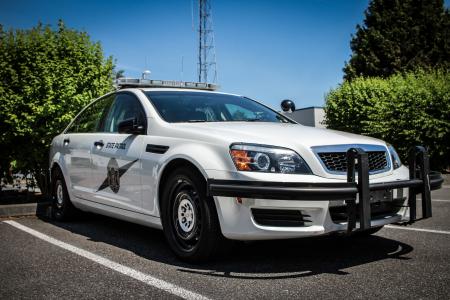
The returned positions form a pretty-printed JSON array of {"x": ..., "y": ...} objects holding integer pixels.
[{"x": 207, "y": 68}]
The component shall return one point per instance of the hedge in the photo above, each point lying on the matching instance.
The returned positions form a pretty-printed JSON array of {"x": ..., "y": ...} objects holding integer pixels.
[{"x": 404, "y": 110}]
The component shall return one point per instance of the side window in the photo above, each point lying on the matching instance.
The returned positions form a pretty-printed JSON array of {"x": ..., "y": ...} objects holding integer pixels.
[
  {"x": 91, "y": 118},
  {"x": 125, "y": 107}
]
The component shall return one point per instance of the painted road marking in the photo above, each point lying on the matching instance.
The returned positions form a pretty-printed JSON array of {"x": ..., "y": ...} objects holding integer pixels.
[
  {"x": 145, "y": 278},
  {"x": 418, "y": 229},
  {"x": 437, "y": 200}
]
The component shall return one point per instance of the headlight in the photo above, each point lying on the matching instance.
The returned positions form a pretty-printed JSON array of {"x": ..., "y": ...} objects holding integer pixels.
[
  {"x": 267, "y": 159},
  {"x": 395, "y": 158}
]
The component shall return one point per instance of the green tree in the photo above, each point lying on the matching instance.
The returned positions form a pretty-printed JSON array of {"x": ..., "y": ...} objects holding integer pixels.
[
  {"x": 400, "y": 35},
  {"x": 46, "y": 76}
]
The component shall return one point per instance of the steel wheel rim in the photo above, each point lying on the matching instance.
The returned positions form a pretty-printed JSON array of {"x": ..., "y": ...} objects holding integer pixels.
[
  {"x": 186, "y": 214},
  {"x": 59, "y": 195},
  {"x": 187, "y": 234}
]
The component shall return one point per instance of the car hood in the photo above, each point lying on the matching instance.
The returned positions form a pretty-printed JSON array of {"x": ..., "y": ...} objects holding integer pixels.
[
  {"x": 277, "y": 134},
  {"x": 297, "y": 137}
]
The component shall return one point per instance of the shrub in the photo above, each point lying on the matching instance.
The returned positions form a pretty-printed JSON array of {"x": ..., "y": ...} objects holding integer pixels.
[{"x": 404, "y": 110}]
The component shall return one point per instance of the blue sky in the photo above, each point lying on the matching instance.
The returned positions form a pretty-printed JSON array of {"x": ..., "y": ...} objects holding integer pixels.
[{"x": 266, "y": 50}]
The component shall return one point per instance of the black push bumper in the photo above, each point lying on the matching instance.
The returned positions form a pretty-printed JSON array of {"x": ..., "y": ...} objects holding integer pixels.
[{"x": 421, "y": 181}]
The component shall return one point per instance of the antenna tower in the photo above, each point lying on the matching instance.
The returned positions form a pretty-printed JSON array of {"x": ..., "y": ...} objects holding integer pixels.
[{"x": 207, "y": 68}]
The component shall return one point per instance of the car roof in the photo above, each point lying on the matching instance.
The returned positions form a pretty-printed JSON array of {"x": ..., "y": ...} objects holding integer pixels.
[{"x": 177, "y": 90}]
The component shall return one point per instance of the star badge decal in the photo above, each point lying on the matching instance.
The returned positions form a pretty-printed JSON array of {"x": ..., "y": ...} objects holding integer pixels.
[{"x": 113, "y": 175}]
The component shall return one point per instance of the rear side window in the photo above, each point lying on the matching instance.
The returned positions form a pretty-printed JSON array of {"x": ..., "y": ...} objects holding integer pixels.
[{"x": 90, "y": 120}]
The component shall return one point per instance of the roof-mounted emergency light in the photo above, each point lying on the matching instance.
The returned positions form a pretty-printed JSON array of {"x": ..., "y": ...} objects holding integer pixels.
[{"x": 145, "y": 83}]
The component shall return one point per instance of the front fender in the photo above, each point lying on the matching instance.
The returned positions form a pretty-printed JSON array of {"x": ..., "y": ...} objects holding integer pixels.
[{"x": 205, "y": 157}]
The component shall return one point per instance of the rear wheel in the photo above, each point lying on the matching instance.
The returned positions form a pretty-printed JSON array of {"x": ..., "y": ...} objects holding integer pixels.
[
  {"x": 62, "y": 207},
  {"x": 189, "y": 217}
]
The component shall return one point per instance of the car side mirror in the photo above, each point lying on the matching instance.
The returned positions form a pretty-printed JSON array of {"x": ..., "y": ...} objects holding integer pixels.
[
  {"x": 287, "y": 105},
  {"x": 131, "y": 126}
]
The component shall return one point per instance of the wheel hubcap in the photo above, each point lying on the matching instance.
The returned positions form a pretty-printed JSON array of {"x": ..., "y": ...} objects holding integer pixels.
[
  {"x": 59, "y": 195},
  {"x": 186, "y": 215}
]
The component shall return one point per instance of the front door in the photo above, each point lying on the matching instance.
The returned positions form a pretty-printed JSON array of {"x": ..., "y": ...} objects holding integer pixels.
[
  {"x": 77, "y": 142},
  {"x": 77, "y": 158},
  {"x": 116, "y": 165}
]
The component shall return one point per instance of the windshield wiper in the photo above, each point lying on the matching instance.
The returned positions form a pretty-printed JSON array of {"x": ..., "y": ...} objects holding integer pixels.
[{"x": 253, "y": 120}]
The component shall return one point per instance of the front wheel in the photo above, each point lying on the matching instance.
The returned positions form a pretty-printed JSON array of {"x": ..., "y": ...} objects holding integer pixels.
[{"x": 189, "y": 217}]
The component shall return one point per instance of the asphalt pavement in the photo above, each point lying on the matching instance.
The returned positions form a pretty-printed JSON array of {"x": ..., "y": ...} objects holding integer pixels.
[{"x": 99, "y": 257}]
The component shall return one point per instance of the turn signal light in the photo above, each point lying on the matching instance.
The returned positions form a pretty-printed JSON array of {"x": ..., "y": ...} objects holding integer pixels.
[{"x": 241, "y": 159}]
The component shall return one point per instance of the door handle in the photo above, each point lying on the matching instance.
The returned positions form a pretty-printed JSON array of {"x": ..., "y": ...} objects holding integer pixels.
[
  {"x": 66, "y": 142},
  {"x": 99, "y": 144}
]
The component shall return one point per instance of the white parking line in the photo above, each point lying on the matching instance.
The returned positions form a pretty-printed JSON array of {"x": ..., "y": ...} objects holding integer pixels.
[
  {"x": 417, "y": 229},
  {"x": 145, "y": 278},
  {"x": 437, "y": 200},
  {"x": 440, "y": 200}
]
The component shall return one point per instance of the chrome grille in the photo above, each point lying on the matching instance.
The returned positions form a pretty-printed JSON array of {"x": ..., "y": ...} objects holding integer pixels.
[{"x": 337, "y": 161}]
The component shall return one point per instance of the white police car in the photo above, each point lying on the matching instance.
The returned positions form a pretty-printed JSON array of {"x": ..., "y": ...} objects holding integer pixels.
[{"x": 207, "y": 167}]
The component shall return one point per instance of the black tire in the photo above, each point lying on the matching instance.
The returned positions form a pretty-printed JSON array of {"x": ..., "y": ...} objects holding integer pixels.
[
  {"x": 189, "y": 217},
  {"x": 62, "y": 207}
]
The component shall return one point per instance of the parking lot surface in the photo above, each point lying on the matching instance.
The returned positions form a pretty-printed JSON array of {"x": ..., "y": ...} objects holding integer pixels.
[{"x": 99, "y": 257}]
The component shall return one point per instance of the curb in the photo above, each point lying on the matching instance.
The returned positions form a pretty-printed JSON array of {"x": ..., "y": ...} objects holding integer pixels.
[{"x": 14, "y": 210}]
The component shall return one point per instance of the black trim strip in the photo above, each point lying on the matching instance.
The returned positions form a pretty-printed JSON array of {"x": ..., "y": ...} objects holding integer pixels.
[
  {"x": 282, "y": 190},
  {"x": 158, "y": 149}
]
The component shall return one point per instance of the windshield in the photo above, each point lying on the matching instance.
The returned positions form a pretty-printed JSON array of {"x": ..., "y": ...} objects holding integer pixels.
[{"x": 176, "y": 107}]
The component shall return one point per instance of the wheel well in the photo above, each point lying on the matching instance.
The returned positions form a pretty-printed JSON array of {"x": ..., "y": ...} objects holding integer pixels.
[
  {"x": 174, "y": 164},
  {"x": 55, "y": 167},
  {"x": 53, "y": 171}
]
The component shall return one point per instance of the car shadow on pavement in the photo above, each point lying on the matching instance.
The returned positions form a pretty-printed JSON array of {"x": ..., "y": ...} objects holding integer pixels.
[{"x": 276, "y": 259}]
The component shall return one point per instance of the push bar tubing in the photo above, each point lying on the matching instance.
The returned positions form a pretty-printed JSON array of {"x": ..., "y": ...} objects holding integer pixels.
[
  {"x": 361, "y": 157},
  {"x": 419, "y": 159},
  {"x": 419, "y": 164}
]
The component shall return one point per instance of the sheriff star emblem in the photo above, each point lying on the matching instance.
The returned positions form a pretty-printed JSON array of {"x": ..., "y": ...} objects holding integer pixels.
[{"x": 113, "y": 175}]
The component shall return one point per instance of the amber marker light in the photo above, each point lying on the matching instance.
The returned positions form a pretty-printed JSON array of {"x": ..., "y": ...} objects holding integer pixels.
[{"x": 241, "y": 160}]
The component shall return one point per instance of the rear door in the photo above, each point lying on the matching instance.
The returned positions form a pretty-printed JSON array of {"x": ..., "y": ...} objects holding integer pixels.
[
  {"x": 116, "y": 165},
  {"x": 78, "y": 141}
]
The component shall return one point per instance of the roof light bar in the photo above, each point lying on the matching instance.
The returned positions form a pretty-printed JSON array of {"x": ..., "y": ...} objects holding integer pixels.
[{"x": 122, "y": 83}]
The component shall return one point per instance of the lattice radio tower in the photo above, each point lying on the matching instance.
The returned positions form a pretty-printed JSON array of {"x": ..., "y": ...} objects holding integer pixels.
[{"x": 207, "y": 67}]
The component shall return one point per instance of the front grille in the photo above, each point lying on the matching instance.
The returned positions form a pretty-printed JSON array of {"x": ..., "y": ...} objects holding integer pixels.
[
  {"x": 280, "y": 217},
  {"x": 337, "y": 161}
]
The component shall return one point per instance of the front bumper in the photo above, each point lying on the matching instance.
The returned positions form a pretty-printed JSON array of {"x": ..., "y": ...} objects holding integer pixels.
[{"x": 355, "y": 193}]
